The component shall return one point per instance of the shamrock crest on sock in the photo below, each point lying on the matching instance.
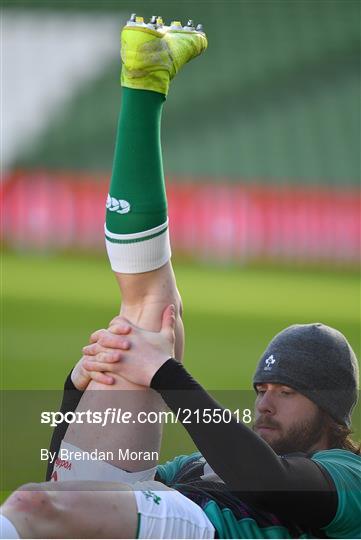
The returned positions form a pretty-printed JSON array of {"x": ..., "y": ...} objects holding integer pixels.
[{"x": 120, "y": 206}]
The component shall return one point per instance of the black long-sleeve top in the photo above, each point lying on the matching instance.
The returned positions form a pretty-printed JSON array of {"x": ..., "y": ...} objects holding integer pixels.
[{"x": 293, "y": 486}]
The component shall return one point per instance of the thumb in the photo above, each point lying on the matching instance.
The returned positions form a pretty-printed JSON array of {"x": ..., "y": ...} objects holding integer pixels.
[{"x": 168, "y": 322}]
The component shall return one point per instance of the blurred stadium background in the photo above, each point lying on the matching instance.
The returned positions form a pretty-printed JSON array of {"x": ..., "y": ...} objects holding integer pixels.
[{"x": 261, "y": 141}]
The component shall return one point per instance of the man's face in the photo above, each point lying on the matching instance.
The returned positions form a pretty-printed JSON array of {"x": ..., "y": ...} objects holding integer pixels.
[{"x": 288, "y": 421}]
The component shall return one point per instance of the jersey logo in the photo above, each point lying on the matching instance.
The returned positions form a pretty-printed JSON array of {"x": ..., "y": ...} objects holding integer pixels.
[
  {"x": 117, "y": 205},
  {"x": 149, "y": 494},
  {"x": 269, "y": 363}
]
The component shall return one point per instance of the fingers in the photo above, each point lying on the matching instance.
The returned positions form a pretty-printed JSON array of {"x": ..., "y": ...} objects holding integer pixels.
[
  {"x": 122, "y": 324},
  {"x": 96, "y": 335},
  {"x": 101, "y": 377},
  {"x": 93, "y": 337},
  {"x": 104, "y": 351},
  {"x": 99, "y": 366},
  {"x": 119, "y": 328},
  {"x": 94, "y": 351},
  {"x": 106, "y": 339},
  {"x": 118, "y": 325},
  {"x": 96, "y": 366}
]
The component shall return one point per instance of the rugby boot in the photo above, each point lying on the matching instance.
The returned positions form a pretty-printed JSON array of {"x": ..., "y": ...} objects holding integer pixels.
[{"x": 152, "y": 53}]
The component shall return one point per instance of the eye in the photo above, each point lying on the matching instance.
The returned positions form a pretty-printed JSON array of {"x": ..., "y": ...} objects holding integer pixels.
[
  {"x": 260, "y": 391},
  {"x": 287, "y": 392}
]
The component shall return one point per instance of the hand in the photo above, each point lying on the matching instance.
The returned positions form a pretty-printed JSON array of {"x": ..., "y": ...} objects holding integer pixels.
[
  {"x": 81, "y": 376},
  {"x": 136, "y": 356}
]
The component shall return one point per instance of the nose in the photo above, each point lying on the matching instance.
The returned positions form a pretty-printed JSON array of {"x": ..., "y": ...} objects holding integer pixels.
[{"x": 265, "y": 403}]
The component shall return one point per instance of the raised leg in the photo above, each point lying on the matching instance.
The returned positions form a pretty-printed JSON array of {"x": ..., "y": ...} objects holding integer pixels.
[{"x": 137, "y": 236}]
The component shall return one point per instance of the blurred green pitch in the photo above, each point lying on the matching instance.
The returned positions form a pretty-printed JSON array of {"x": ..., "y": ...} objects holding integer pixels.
[{"x": 51, "y": 305}]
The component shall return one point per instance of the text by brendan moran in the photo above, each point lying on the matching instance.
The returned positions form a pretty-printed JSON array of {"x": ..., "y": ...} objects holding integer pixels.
[{"x": 97, "y": 455}]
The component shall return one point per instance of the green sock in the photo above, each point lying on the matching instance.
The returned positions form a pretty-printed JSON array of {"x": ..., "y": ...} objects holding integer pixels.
[
  {"x": 137, "y": 176},
  {"x": 136, "y": 225}
]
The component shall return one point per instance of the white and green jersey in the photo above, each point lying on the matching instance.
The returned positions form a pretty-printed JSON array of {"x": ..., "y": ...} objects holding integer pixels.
[
  {"x": 233, "y": 518},
  {"x": 345, "y": 470}
]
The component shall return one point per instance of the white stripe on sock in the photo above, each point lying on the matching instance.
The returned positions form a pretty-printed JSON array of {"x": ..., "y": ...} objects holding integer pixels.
[
  {"x": 133, "y": 236},
  {"x": 140, "y": 256}
]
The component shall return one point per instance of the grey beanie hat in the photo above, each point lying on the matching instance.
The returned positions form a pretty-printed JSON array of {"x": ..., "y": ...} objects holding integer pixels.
[{"x": 317, "y": 361}]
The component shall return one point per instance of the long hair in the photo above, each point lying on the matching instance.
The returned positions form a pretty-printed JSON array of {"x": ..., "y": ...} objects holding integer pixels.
[{"x": 339, "y": 436}]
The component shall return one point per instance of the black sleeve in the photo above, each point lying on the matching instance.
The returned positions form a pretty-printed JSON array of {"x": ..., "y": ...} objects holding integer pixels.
[
  {"x": 294, "y": 487},
  {"x": 71, "y": 398}
]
